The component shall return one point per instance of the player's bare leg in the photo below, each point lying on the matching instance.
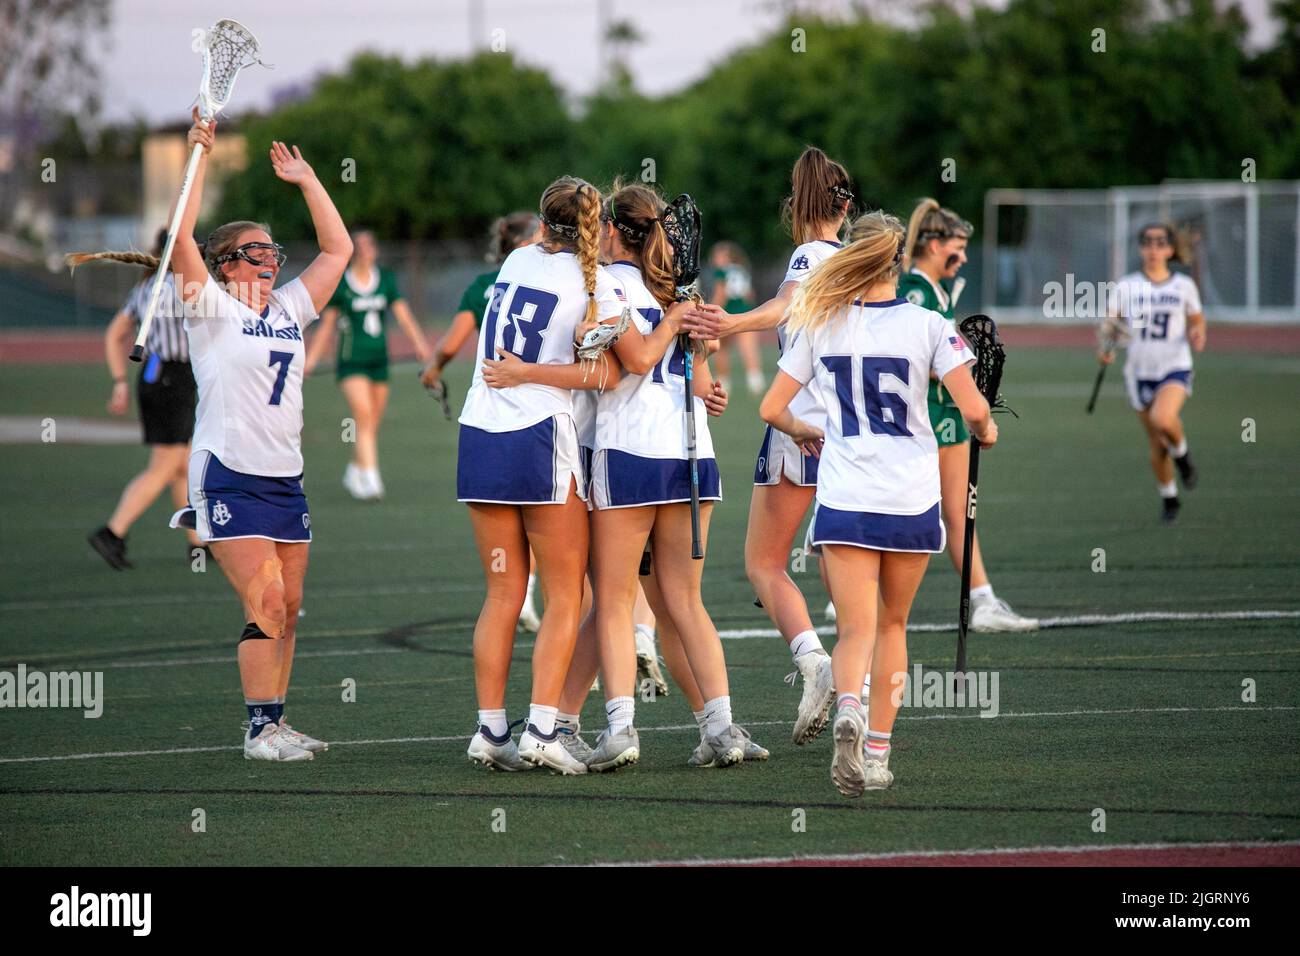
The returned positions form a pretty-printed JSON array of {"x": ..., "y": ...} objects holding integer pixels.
[
  {"x": 255, "y": 571},
  {"x": 678, "y": 577},
  {"x": 583, "y": 667},
  {"x": 180, "y": 488},
  {"x": 378, "y": 406},
  {"x": 775, "y": 513},
  {"x": 618, "y": 537},
  {"x": 558, "y": 536},
  {"x": 854, "y": 576},
  {"x": 293, "y": 559},
  {"x": 503, "y": 551},
  {"x": 356, "y": 390},
  {"x": 1164, "y": 427},
  {"x": 899, "y": 578}
]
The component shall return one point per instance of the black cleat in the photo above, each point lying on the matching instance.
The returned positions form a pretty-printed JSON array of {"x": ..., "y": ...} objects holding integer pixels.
[
  {"x": 1186, "y": 471},
  {"x": 1170, "y": 513},
  {"x": 111, "y": 548}
]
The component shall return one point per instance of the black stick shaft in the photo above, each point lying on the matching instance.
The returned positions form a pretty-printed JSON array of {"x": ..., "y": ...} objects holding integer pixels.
[
  {"x": 967, "y": 546},
  {"x": 1096, "y": 388},
  {"x": 697, "y": 549}
]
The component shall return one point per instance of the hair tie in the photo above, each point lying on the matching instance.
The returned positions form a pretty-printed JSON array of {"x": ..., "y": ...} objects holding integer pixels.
[{"x": 898, "y": 254}]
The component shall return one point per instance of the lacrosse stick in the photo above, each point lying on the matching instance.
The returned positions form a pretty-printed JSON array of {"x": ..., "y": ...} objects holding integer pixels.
[
  {"x": 681, "y": 222},
  {"x": 981, "y": 332},
  {"x": 1110, "y": 334},
  {"x": 228, "y": 48},
  {"x": 443, "y": 395}
]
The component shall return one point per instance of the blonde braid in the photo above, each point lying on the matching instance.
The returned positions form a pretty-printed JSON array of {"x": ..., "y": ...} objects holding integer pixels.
[
  {"x": 589, "y": 242},
  {"x": 74, "y": 259}
]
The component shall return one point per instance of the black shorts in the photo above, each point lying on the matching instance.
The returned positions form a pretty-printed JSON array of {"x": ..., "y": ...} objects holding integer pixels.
[{"x": 167, "y": 404}]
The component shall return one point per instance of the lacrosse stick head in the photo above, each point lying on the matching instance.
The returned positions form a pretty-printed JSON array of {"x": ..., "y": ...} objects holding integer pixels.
[
  {"x": 681, "y": 222},
  {"x": 1111, "y": 334},
  {"x": 228, "y": 47},
  {"x": 982, "y": 334}
]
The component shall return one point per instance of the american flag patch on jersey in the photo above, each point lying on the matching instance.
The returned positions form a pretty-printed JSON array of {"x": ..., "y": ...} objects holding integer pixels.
[
  {"x": 619, "y": 292},
  {"x": 957, "y": 343}
]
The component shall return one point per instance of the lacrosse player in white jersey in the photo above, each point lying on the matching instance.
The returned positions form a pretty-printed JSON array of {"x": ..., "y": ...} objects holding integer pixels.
[
  {"x": 785, "y": 477},
  {"x": 520, "y": 466},
  {"x": 878, "y": 516},
  {"x": 245, "y": 476},
  {"x": 640, "y": 490},
  {"x": 1158, "y": 313}
]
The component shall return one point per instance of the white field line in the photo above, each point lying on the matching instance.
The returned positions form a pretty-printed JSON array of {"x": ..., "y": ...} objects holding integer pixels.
[
  {"x": 665, "y": 729},
  {"x": 1082, "y": 620},
  {"x": 1076, "y": 620},
  {"x": 940, "y": 854}
]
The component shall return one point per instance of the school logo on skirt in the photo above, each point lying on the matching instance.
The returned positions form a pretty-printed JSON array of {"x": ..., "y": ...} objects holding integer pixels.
[
  {"x": 306, "y": 520},
  {"x": 220, "y": 513}
]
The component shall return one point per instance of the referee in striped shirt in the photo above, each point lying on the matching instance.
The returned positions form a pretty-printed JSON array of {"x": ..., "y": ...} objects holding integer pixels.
[{"x": 167, "y": 396}]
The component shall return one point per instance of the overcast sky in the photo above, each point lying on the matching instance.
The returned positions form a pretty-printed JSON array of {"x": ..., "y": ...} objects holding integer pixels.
[{"x": 149, "y": 69}]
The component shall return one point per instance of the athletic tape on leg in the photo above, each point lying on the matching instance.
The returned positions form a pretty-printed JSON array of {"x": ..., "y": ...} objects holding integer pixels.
[{"x": 265, "y": 576}]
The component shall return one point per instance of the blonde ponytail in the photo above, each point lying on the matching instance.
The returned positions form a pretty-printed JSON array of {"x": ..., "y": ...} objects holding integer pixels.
[{"x": 873, "y": 255}]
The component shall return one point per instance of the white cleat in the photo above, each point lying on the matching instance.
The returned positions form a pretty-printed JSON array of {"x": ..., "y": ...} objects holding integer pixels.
[
  {"x": 829, "y": 613},
  {"x": 298, "y": 738},
  {"x": 549, "y": 753},
  {"x": 352, "y": 482},
  {"x": 818, "y": 695},
  {"x": 615, "y": 750},
  {"x": 574, "y": 744},
  {"x": 647, "y": 663},
  {"x": 726, "y": 749},
  {"x": 528, "y": 618},
  {"x": 374, "y": 484},
  {"x": 847, "y": 769},
  {"x": 494, "y": 754},
  {"x": 995, "y": 615},
  {"x": 876, "y": 773},
  {"x": 753, "y": 751},
  {"x": 271, "y": 744}
]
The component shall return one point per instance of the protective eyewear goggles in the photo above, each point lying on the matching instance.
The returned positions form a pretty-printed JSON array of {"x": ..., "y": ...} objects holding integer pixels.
[{"x": 256, "y": 253}]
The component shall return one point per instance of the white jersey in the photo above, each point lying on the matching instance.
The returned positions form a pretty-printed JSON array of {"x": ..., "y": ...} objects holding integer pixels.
[
  {"x": 808, "y": 404},
  {"x": 537, "y": 304},
  {"x": 249, "y": 372},
  {"x": 584, "y": 416},
  {"x": 644, "y": 414},
  {"x": 874, "y": 363},
  {"x": 1156, "y": 316}
]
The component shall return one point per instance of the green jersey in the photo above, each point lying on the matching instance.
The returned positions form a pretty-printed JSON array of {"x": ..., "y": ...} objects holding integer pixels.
[
  {"x": 735, "y": 279},
  {"x": 478, "y": 295},
  {"x": 364, "y": 309},
  {"x": 919, "y": 289}
]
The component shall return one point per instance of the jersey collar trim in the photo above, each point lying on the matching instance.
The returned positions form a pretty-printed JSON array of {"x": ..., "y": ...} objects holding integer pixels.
[
  {"x": 888, "y": 304},
  {"x": 355, "y": 285},
  {"x": 940, "y": 292}
]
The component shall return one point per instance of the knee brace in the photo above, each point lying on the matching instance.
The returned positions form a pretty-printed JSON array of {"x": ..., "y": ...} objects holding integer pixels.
[
  {"x": 252, "y": 633},
  {"x": 264, "y": 577}
]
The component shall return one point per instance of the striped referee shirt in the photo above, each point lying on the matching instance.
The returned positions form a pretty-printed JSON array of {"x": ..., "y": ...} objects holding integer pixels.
[{"x": 167, "y": 338}]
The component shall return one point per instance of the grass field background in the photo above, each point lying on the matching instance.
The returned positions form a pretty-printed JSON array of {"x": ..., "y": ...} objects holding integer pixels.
[{"x": 1144, "y": 720}]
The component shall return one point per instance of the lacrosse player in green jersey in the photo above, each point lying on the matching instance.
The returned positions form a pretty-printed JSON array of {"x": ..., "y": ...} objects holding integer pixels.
[
  {"x": 359, "y": 307},
  {"x": 934, "y": 253}
]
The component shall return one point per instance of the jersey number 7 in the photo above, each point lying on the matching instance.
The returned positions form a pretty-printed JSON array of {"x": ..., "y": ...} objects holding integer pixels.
[{"x": 281, "y": 359}]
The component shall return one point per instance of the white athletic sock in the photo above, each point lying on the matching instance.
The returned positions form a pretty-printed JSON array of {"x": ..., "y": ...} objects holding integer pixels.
[
  {"x": 982, "y": 593},
  {"x": 876, "y": 745},
  {"x": 848, "y": 700},
  {"x": 543, "y": 718},
  {"x": 646, "y": 631},
  {"x": 619, "y": 712},
  {"x": 1169, "y": 491},
  {"x": 568, "y": 722},
  {"x": 1179, "y": 450},
  {"x": 528, "y": 592},
  {"x": 866, "y": 690},
  {"x": 495, "y": 721},
  {"x": 804, "y": 643},
  {"x": 717, "y": 715},
  {"x": 701, "y": 720}
]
